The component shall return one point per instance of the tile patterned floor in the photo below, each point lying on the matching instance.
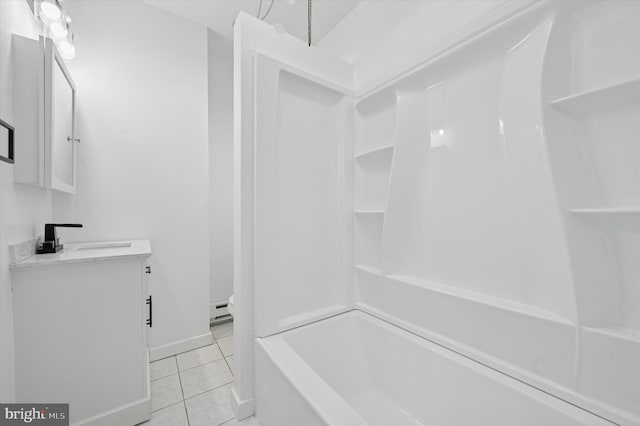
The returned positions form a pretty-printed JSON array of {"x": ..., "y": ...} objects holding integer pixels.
[{"x": 192, "y": 388}]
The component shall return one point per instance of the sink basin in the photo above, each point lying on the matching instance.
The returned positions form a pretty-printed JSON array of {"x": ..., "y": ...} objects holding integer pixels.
[{"x": 96, "y": 246}]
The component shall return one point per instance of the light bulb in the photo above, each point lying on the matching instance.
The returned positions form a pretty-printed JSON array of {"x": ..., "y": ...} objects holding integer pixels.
[
  {"x": 50, "y": 11},
  {"x": 58, "y": 30},
  {"x": 67, "y": 50}
]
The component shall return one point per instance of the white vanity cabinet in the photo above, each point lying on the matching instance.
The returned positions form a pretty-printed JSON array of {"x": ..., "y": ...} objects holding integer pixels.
[
  {"x": 81, "y": 318},
  {"x": 44, "y": 103}
]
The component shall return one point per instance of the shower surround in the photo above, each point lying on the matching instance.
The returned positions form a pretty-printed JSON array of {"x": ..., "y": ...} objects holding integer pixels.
[{"x": 459, "y": 242}]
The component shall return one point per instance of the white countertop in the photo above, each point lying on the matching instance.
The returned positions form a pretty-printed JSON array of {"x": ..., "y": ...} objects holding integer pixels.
[{"x": 87, "y": 252}]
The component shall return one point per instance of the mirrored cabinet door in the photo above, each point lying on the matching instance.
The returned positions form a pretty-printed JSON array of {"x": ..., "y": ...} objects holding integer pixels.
[
  {"x": 63, "y": 140},
  {"x": 44, "y": 98}
]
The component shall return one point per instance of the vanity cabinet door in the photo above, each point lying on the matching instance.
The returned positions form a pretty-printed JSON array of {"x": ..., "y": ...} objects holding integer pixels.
[{"x": 79, "y": 338}]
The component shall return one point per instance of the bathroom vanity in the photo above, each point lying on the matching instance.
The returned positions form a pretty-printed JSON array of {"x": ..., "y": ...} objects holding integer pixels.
[{"x": 81, "y": 319}]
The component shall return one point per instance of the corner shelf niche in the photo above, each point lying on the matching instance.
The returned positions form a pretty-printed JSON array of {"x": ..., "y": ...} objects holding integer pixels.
[
  {"x": 374, "y": 145},
  {"x": 612, "y": 219},
  {"x": 622, "y": 95},
  {"x": 384, "y": 151},
  {"x": 375, "y": 121},
  {"x": 370, "y": 270},
  {"x": 372, "y": 172},
  {"x": 608, "y": 123}
]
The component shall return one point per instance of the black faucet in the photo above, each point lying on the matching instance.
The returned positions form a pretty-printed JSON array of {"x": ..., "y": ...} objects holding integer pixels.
[{"x": 51, "y": 243}]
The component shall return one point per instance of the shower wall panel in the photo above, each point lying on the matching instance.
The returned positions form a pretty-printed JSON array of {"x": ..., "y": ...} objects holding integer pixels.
[
  {"x": 509, "y": 225},
  {"x": 303, "y": 208}
]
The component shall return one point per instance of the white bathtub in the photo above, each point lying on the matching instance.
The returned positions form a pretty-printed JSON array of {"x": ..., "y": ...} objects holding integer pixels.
[{"x": 354, "y": 369}]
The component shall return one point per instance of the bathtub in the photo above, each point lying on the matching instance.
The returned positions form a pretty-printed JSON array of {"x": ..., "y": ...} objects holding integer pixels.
[{"x": 354, "y": 369}]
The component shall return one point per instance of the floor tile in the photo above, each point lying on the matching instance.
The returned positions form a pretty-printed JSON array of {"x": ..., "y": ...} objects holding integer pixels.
[
  {"x": 226, "y": 345},
  {"x": 229, "y": 360},
  {"x": 163, "y": 368},
  {"x": 223, "y": 329},
  {"x": 249, "y": 421},
  {"x": 206, "y": 377},
  {"x": 165, "y": 392},
  {"x": 174, "y": 415},
  {"x": 198, "y": 357},
  {"x": 211, "y": 408}
]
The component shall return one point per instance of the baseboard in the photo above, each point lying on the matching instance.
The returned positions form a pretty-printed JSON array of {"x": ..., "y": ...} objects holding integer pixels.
[
  {"x": 130, "y": 414},
  {"x": 242, "y": 409},
  {"x": 180, "y": 346}
]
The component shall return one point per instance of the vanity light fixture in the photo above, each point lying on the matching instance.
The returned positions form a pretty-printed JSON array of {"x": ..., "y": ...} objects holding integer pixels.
[
  {"x": 48, "y": 10},
  {"x": 67, "y": 50},
  {"x": 58, "y": 30},
  {"x": 57, "y": 26}
]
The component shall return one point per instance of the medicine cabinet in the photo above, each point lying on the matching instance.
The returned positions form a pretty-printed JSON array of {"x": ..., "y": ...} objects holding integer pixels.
[{"x": 44, "y": 101}]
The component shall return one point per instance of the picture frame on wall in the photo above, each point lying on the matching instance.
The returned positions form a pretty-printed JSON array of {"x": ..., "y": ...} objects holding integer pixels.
[{"x": 6, "y": 142}]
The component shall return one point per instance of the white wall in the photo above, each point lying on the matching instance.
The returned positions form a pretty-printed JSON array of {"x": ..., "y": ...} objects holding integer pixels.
[
  {"x": 143, "y": 160},
  {"x": 383, "y": 38},
  {"x": 23, "y": 209},
  {"x": 141, "y": 75},
  {"x": 220, "y": 58}
]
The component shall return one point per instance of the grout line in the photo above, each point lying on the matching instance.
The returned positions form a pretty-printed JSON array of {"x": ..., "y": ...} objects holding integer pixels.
[
  {"x": 222, "y": 337},
  {"x": 179, "y": 374},
  {"x": 229, "y": 366},
  {"x": 229, "y": 421},
  {"x": 195, "y": 366},
  {"x": 184, "y": 401},
  {"x": 181, "y": 388},
  {"x": 175, "y": 360},
  {"x": 191, "y": 368},
  {"x": 179, "y": 381},
  {"x": 208, "y": 390},
  {"x": 168, "y": 406},
  {"x": 200, "y": 365},
  {"x": 164, "y": 377},
  {"x": 186, "y": 413}
]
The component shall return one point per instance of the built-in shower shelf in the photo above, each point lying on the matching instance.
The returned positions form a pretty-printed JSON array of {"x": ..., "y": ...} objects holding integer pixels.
[
  {"x": 616, "y": 332},
  {"x": 472, "y": 296},
  {"x": 377, "y": 152},
  {"x": 369, "y": 213},
  {"x": 484, "y": 299},
  {"x": 369, "y": 269},
  {"x": 617, "y": 96},
  {"x": 612, "y": 219}
]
